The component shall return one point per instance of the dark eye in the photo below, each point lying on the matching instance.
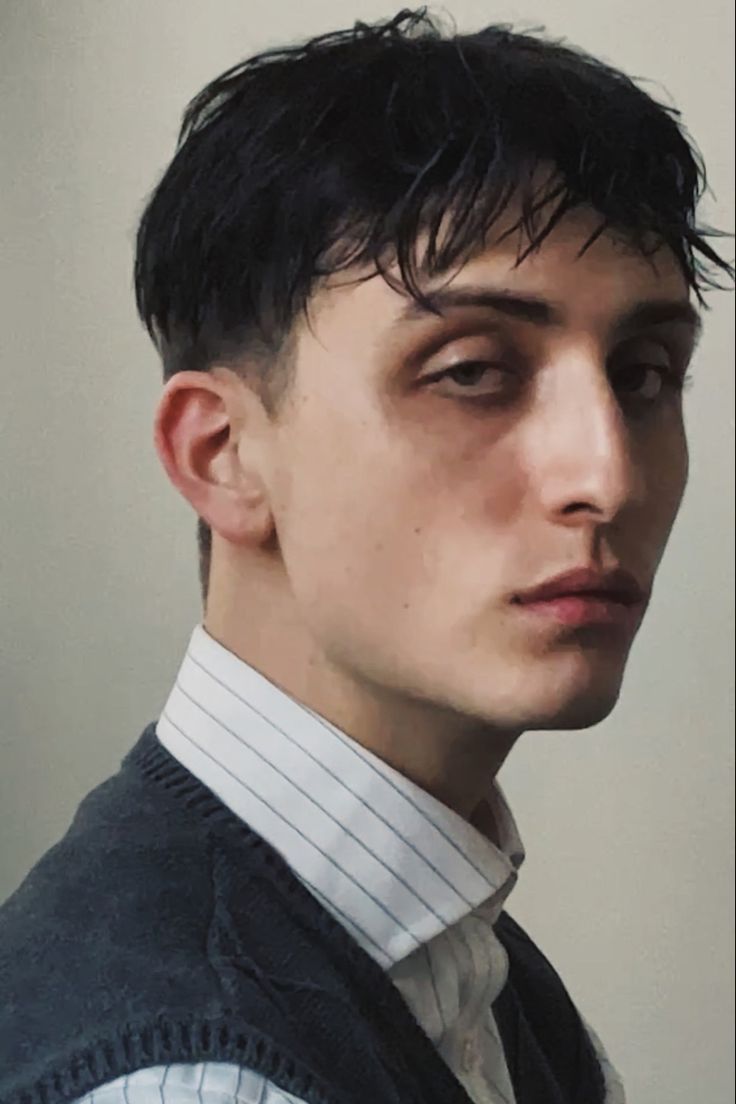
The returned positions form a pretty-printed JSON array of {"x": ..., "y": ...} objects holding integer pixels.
[
  {"x": 468, "y": 375},
  {"x": 648, "y": 381}
]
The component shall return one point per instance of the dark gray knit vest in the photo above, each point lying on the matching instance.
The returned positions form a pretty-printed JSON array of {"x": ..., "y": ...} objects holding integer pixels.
[{"x": 162, "y": 929}]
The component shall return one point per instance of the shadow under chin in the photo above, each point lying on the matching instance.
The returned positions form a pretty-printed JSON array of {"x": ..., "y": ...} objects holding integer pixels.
[{"x": 581, "y": 711}]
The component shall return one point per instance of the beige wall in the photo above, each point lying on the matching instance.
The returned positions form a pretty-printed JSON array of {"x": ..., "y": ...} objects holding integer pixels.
[{"x": 628, "y": 826}]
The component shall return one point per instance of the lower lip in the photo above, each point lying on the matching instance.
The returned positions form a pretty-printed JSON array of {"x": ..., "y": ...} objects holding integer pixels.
[{"x": 584, "y": 609}]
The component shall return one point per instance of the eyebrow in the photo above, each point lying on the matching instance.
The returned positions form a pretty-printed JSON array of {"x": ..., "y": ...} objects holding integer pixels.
[{"x": 542, "y": 312}]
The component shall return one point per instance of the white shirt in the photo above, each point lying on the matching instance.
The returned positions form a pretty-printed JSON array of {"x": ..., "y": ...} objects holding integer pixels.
[{"x": 416, "y": 885}]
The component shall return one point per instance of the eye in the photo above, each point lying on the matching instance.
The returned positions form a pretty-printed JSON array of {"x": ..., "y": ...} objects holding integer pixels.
[
  {"x": 467, "y": 375},
  {"x": 649, "y": 382},
  {"x": 647, "y": 370}
]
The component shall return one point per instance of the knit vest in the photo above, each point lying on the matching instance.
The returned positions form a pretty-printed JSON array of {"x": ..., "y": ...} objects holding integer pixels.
[{"x": 162, "y": 929}]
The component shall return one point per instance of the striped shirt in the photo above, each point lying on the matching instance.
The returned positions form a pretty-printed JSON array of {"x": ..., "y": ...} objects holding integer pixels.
[{"x": 416, "y": 885}]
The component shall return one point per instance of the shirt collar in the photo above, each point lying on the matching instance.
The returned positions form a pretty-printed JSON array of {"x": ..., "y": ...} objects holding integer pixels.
[{"x": 391, "y": 862}]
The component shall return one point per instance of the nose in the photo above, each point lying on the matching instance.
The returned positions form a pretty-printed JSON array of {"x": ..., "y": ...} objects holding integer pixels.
[{"x": 582, "y": 445}]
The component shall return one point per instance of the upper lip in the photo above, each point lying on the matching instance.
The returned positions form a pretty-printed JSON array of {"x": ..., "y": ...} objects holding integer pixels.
[{"x": 616, "y": 584}]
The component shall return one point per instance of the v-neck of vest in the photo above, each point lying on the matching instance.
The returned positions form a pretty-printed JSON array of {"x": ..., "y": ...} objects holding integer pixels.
[{"x": 158, "y": 765}]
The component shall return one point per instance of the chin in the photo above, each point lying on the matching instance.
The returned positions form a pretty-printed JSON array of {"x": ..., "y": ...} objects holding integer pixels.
[
  {"x": 573, "y": 705},
  {"x": 577, "y": 691},
  {"x": 569, "y": 700},
  {"x": 582, "y": 712},
  {"x": 542, "y": 712}
]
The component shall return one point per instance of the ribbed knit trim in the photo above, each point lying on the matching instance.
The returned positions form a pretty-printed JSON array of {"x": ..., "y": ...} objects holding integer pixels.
[{"x": 164, "y": 1042}]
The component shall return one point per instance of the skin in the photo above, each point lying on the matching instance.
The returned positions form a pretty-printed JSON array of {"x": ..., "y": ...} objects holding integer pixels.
[{"x": 367, "y": 540}]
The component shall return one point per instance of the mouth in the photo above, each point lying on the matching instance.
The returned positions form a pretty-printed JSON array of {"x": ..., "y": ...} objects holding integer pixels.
[
  {"x": 584, "y": 608},
  {"x": 596, "y": 592}
]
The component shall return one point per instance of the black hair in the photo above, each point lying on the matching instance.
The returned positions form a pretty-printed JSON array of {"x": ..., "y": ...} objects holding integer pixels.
[{"x": 340, "y": 151}]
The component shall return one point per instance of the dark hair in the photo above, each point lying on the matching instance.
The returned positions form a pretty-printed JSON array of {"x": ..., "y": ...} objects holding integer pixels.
[{"x": 301, "y": 161}]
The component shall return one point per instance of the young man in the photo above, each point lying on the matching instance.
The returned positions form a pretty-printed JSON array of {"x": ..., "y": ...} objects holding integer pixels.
[{"x": 424, "y": 308}]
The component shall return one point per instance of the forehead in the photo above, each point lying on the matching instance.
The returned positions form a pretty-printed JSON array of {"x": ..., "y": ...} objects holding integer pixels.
[{"x": 590, "y": 290}]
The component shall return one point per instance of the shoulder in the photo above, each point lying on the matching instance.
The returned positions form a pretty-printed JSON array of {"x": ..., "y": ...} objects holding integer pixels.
[
  {"x": 92, "y": 898},
  {"x": 110, "y": 929}
]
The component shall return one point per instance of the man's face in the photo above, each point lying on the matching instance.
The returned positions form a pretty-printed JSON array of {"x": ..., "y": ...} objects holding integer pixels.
[{"x": 410, "y": 507}]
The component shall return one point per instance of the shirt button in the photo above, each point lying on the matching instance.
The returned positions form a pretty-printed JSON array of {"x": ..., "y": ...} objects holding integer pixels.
[{"x": 468, "y": 1054}]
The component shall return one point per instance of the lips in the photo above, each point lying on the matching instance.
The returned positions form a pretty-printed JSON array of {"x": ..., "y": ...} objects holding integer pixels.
[
  {"x": 584, "y": 609},
  {"x": 616, "y": 585}
]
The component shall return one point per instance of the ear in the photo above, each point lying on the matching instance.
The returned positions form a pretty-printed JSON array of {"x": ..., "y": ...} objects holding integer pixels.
[{"x": 211, "y": 433}]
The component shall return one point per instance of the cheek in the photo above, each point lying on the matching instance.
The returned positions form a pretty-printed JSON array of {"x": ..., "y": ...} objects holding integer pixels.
[
  {"x": 668, "y": 464},
  {"x": 384, "y": 527},
  {"x": 344, "y": 520},
  {"x": 665, "y": 464}
]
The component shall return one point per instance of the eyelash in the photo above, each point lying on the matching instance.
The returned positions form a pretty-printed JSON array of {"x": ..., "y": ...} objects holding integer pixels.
[{"x": 670, "y": 378}]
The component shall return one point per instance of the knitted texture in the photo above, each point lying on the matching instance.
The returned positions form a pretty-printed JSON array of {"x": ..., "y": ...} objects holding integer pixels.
[{"x": 163, "y": 929}]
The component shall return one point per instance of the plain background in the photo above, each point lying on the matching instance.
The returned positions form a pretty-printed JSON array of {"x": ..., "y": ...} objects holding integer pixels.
[{"x": 628, "y": 883}]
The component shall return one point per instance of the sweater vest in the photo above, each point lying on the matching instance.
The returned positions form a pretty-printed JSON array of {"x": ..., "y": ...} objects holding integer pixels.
[{"x": 162, "y": 929}]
